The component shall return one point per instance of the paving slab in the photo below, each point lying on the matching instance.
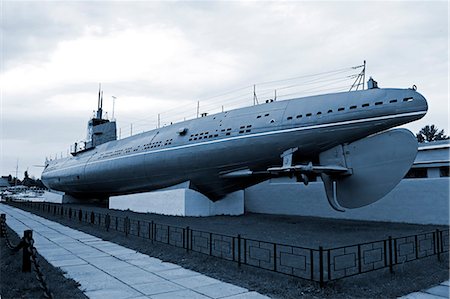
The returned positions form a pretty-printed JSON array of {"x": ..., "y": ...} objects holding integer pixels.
[
  {"x": 184, "y": 294},
  {"x": 133, "y": 275},
  {"x": 196, "y": 281},
  {"x": 176, "y": 273},
  {"x": 439, "y": 290},
  {"x": 221, "y": 289},
  {"x": 154, "y": 288},
  {"x": 122, "y": 292},
  {"x": 249, "y": 295},
  {"x": 420, "y": 295},
  {"x": 107, "y": 270}
]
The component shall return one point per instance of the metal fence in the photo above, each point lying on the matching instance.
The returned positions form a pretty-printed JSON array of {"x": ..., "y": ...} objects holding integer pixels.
[{"x": 315, "y": 264}]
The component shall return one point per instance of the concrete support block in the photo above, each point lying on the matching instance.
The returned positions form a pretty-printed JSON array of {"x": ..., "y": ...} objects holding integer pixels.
[
  {"x": 179, "y": 202},
  {"x": 420, "y": 201},
  {"x": 53, "y": 196},
  {"x": 70, "y": 199}
]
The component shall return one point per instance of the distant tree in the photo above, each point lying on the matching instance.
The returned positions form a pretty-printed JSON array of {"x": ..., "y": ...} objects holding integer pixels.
[
  {"x": 430, "y": 133},
  {"x": 39, "y": 184}
]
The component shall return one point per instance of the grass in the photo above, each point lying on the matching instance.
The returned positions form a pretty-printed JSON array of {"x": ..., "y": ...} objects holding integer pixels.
[{"x": 24, "y": 285}]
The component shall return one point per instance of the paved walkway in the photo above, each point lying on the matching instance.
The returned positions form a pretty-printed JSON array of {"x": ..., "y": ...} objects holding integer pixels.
[
  {"x": 437, "y": 292},
  {"x": 108, "y": 270}
]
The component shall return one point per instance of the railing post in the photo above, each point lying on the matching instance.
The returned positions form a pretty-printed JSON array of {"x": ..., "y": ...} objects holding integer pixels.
[
  {"x": 26, "y": 258},
  {"x": 359, "y": 258},
  {"x": 391, "y": 268},
  {"x": 125, "y": 225},
  {"x": 187, "y": 239},
  {"x": 168, "y": 234},
  {"x": 321, "y": 266},
  {"x": 138, "y": 228},
  {"x": 438, "y": 246},
  {"x": 152, "y": 235},
  {"x": 275, "y": 257},
  {"x": 329, "y": 264},
  {"x": 416, "y": 243},
  {"x": 2, "y": 224},
  {"x": 107, "y": 222},
  {"x": 210, "y": 243},
  {"x": 239, "y": 250}
]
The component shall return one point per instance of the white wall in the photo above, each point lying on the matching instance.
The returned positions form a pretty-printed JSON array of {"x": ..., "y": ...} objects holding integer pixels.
[{"x": 424, "y": 201}]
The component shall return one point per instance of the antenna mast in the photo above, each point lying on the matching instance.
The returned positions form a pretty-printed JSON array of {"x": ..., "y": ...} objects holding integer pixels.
[
  {"x": 361, "y": 77},
  {"x": 100, "y": 101}
]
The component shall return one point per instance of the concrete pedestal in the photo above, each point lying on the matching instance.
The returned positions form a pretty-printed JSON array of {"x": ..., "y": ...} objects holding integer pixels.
[{"x": 179, "y": 202}]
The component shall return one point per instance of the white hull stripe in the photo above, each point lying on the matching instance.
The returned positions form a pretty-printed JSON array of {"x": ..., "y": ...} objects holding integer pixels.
[{"x": 341, "y": 123}]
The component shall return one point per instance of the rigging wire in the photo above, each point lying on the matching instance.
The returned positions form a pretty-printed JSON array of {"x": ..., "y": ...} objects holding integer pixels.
[{"x": 237, "y": 97}]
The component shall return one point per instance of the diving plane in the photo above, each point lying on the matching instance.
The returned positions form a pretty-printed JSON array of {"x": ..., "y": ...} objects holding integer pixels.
[{"x": 347, "y": 139}]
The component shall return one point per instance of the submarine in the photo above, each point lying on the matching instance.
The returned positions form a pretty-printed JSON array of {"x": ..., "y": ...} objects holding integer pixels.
[{"x": 348, "y": 139}]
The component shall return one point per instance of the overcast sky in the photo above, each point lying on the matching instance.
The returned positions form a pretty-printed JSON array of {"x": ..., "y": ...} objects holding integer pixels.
[{"x": 157, "y": 56}]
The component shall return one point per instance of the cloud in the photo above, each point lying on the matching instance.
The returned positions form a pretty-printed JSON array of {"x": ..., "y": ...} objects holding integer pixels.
[{"x": 159, "y": 56}]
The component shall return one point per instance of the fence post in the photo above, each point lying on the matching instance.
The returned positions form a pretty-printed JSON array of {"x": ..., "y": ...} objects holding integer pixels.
[
  {"x": 391, "y": 268},
  {"x": 321, "y": 266},
  {"x": 2, "y": 225},
  {"x": 239, "y": 250},
  {"x": 168, "y": 234},
  {"x": 187, "y": 239},
  {"x": 210, "y": 244},
  {"x": 107, "y": 222},
  {"x": 416, "y": 243},
  {"x": 138, "y": 228},
  {"x": 359, "y": 258},
  {"x": 125, "y": 226},
  {"x": 438, "y": 247},
  {"x": 152, "y": 235},
  {"x": 274, "y": 257},
  {"x": 26, "y": 258}
]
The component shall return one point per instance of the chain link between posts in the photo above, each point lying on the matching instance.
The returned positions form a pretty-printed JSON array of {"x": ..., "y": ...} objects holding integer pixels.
[{"x": 28, "y": 245}]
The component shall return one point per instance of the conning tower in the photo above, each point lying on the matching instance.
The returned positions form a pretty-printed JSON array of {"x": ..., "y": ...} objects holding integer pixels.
[{"x": 99, "y": 130}]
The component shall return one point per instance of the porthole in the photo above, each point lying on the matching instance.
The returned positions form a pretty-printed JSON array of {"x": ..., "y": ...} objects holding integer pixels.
[
  {"x": 352, "y": 107},
  {"x": 378, "y": 103},
  {"x": 308, "y": 114},
  {"x": 319, "y": 113},
  {"x": 289, "y": 118},
  {"x": 299, "y": 116},
  {"x": 365, "y": 105},
  {"x": 341, "y": 109},
  {"x": 393, "y": 101},
  {"x": 407, "y": 99},
  {"x": 330, "y": 111}
]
